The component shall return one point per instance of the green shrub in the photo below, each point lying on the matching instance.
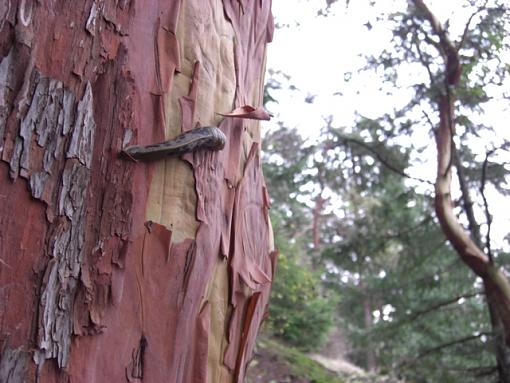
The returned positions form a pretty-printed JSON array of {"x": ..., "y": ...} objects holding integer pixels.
[{"x": 298, "y": 313}]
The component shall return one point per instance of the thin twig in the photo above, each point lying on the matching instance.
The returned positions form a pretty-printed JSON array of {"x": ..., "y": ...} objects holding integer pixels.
[
  {"x": 488, "y": 216},
  {"x": 424, "y": 62},
  {"x": 466, "y": 28},
  {"x": 427, "y": 117},
  {"x": 467, "y": 200}
]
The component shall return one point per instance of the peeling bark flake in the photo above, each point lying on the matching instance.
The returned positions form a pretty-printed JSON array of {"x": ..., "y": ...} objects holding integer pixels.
[
  {"x": 82, "y": 139},
  {"x": 6, "y": 85},
  {"x": 63, "y": 272},
  {"x": 53, "y": 118},
  {"x": 95, "y": 262},
  {"x": 91, "y": 21}
]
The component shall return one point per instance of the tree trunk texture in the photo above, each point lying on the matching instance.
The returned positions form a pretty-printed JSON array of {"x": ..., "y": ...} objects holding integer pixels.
[
  {"x": 367, "y": 317},
  {"x": 113, "y": 270},
  {"x": 496, "y": 284},
  {"x": 501, "y": 349},
  {"x": 469, "y": 249}
]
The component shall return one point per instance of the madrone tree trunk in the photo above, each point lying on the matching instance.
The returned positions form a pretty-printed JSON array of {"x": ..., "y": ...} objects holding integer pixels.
[
  {"x": 114, "y": 270},
  {"x": 467, "y": 245}
]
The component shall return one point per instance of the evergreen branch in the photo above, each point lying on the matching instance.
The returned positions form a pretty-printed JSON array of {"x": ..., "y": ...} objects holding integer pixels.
[
  {"x": 476, "y": 371},
  {"x": 487, "y": 371},
  {"x": 382, "y": 160},
  {"x": 418, "y": 281},
  {"x": 413, "y": 316},
  {"x": 441, "y": 347},
  {"x": 427, "y": 278},
  {"x": 302, "y": 232},
  {"x": 420, "y": 313},
  {"x": 432, "y": 42},
  {"x": 409, "y": 230},
  {"x": 466, "y": 28},
  {"x": 427, "y": 117},
  {"x": 424, "y": 62},
  {"x": 432, "y": 249},
  {"x": 428, "y": 39}
]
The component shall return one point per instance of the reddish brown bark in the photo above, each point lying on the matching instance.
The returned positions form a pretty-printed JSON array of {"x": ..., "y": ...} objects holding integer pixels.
[
  {"x": 496, "y": 284},
  {"x": 90, "y": 289},
  {"x": 368, "y": 321}
]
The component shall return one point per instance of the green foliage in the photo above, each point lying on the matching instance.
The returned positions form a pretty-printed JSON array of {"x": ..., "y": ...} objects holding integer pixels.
[
  {"x": 285, "y": 156},
  {"x": 306, "y": 367},
  {"x": 407, "y": 301},
  {"x": 300, "y": 365},
  {"x": 393, "y": 258},
  {"x": 386, "y": 252},
  {"x": 299, "y": 313},
  {"x": 406, "y": 267}
]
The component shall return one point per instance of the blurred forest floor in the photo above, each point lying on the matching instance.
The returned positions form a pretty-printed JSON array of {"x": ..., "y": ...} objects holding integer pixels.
[{"x": 275, "y": 362}]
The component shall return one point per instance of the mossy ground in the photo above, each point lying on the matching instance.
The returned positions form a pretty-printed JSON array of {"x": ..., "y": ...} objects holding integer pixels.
[{"x": 277, "y": 363}]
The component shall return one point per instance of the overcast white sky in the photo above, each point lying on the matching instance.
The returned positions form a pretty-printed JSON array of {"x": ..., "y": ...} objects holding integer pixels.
[{"x": 318, "y": 53}]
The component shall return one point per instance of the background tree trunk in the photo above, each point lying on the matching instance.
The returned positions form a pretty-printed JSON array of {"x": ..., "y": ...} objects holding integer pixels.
[
  {"x": 113, "y": 270},
  {"x": 367, "y": 317}
]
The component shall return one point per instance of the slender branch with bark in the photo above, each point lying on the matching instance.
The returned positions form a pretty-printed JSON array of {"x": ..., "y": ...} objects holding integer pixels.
[
  {"x": 496, "y": 284},
  {"x": 488, "y": 216},
  {"x": 466, "y": 28},
  {"x": 467, "y": 201}
]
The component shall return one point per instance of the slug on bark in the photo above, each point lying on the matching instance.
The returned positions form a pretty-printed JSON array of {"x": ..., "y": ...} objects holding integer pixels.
[{"x": 207, "y": 138}]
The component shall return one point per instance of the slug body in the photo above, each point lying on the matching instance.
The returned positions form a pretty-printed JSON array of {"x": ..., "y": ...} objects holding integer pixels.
[{"x": 208, "y": 138}]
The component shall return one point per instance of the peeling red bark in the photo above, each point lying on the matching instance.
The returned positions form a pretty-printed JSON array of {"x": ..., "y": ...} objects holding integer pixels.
[
  {"x": 250, "y": 112},
  {"x": 90, "y": 291},
  {"x": 497, "y": 285}
]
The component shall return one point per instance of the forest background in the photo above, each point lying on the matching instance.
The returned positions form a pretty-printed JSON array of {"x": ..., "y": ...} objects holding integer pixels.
[{"x": 360, "y": 91}]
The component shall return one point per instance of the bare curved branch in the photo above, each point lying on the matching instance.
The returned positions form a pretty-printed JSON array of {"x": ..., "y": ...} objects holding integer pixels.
[{"x": 496, "y": 284}]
